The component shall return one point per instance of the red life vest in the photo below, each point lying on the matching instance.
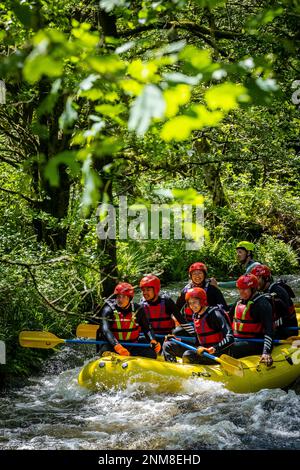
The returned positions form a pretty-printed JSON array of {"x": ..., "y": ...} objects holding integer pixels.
[
  {"x": 124, "y": 327},
  {"x": 244, "y": 325},
  {"x": 207, "y": 337},
  {"x": 162, "y": 322}
]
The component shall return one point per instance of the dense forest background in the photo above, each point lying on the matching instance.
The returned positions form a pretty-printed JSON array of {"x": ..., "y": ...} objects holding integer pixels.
[{"x": 143, "y": 99}]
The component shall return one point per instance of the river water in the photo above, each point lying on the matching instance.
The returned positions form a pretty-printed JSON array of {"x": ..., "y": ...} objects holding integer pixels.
[{"x": 53, "y": 412}]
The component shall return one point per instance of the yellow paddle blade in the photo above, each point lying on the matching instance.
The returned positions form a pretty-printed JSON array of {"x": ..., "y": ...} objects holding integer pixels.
[
  {"x": 39, "y": 339},
  {"x": 290, "y": 339},
  {"x": 86, "y": 330},
  {"x": 231, "y": 365}
]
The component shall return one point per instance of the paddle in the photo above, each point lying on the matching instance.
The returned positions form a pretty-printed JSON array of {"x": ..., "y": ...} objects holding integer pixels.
[
  {"x": 86, "y": 330},
  {"x": 293, "y": 340},
  {"x": 46, "y": 340},
  {"x": 231, "y": 365}
]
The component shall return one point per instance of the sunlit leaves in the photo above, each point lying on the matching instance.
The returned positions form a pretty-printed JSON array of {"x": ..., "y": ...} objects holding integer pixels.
[
  {"x": 110, "y": 64},
  {"x": 37, "y": 66},
  {"x": 175, "y": 97},
  {"x": 199, "y": 59},
  {"x": 142, "y": 72},
  {"x": 147, "y": 106},
  {"x": 180, "y": 127},
  {"x": 225, "y": 96}
]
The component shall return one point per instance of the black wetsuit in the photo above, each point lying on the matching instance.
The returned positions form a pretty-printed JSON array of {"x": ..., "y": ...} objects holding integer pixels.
[
  {"x": 217, "y": 322},
  {"x": 282, "y": 302}
]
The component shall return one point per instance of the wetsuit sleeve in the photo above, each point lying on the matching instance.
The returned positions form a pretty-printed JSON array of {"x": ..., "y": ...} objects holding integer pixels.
[
  {"x": 231, "y": 311},
  {"x": 106, "y": 321},
  {"x": 262, "y": 312},
  {"x": 215, "y": 297},
  {"x": 281, "y": 294},
  {"x": 217, "y": 322},
  {"x": 142, "y": 320},
  {"x": 180, "y": 302},
  {"x": 172, "y": 309},
  {"x": 227, "y": 284}
]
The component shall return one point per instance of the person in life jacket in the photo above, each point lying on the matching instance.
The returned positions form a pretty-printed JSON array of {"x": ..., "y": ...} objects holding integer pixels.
[
  {"x": 280, "y": 296},
  {"x": 161, "y": 309},
  {"x": 122, "y": 321},
  {"x": 198, "y": 278},
  {"x": 212, "y": 326},
  {"x": 244, "y": 253},
  {"x": 252, "y": 318}
]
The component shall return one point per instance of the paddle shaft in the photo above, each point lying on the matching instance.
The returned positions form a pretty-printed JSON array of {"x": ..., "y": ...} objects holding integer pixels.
[
  {"x": 192, "y": 348},
  {"x": 88, "y": 341}
]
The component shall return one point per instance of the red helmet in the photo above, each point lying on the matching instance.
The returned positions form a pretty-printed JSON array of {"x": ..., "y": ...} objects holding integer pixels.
[
  {"x": 125, "y": 289},
  {"x": 200, "y": 266},
  {"x": 247, "y": 281},
  {"x": 261, "y": 270},
  {"x": 151, "y": 281},
  {"x": 197, "y": 293}
]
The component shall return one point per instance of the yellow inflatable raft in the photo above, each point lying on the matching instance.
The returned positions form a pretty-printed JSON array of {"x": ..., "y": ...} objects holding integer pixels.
[{"x": 113, "y": 371}]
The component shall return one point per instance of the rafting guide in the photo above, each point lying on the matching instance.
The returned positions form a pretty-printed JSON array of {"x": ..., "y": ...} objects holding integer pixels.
[{"x": 154, "y": 223}]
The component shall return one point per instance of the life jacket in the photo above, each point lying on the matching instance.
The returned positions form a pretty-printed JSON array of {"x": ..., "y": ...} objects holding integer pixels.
[
  {"x": 187, "y": 311},
  {"x": 243, "y": 324},
  {"x": 290, "y": 293},
  {"x": 162, "y": 322},
  {"x": 124, "y": 326},
  {"x": 207, "y": 337}
]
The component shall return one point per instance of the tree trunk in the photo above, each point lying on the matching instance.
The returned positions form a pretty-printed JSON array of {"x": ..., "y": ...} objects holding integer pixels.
[{"x": 55, "y": 199}]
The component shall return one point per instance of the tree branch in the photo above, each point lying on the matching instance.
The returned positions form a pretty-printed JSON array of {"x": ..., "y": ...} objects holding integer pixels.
[{"x": 34, "y": 202}]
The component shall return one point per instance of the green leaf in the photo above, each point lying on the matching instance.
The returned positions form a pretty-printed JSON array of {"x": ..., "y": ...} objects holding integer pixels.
[
  {"x": 67, "y": 158},
  {"x": 107, "y": 64},
  {"x": 178, "y": 128},
  {"x": 199, "y": 59},
  {"x": 110, "y": 109},
  {"x": 142, "y": 72},
  {"x": 148, "y": 105},
  {"x": 38, "y": 65},
  {"x": 225, "y": 96},
  {"x": 175, "y": 97},
  {"x": 181, "y": 127}
]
